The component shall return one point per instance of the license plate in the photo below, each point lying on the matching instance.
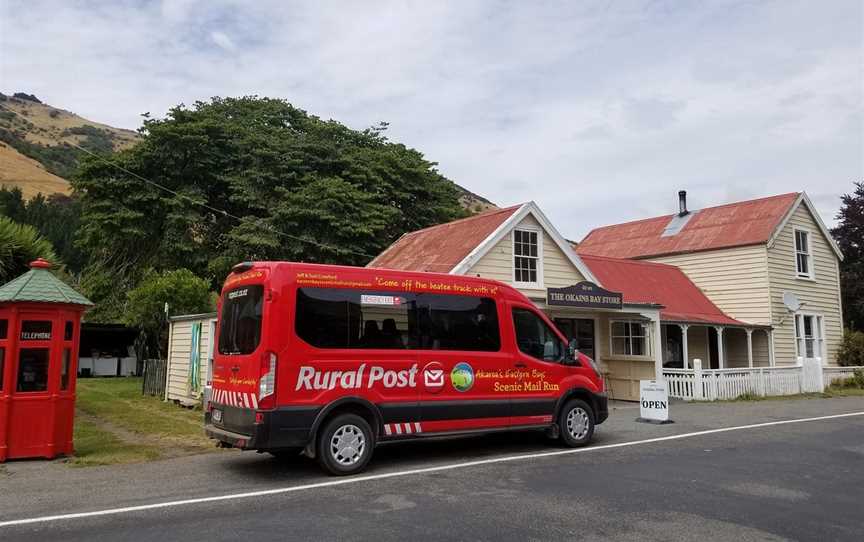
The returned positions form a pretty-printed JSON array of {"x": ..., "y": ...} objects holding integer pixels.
[{"x": 217, "y": 415}]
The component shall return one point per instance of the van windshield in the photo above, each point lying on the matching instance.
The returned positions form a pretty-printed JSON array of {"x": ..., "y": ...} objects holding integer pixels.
[{"x": 240, "y": 321}]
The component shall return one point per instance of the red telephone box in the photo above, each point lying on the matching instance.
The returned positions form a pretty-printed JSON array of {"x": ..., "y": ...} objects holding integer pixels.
[{"x": 40, "y": 322}]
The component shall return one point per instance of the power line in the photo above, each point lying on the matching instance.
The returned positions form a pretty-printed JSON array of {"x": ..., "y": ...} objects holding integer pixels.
[{"x": 195, "y": 202}]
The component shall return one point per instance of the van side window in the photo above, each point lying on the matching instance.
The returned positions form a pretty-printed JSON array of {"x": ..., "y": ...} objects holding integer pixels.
[
  {"x": 344, "y": 318},
  {"x": 358, "y": 319},
  {"x": 535, "y": 338},
  {"x": 452, "y": 322}
]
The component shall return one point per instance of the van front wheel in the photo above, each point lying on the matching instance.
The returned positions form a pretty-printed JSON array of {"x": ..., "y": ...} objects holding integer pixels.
[
  {"x": 576, "y": 423},
  {"x": 345, "y": 445}
]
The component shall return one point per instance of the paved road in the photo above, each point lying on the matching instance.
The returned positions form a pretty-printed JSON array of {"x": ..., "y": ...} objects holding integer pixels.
[{"x": 801, "y": 481}]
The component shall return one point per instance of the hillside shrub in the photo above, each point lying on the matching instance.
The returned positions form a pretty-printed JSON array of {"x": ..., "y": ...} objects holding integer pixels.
[
  {"x": 20, "y": 244},
  {"x": 851, "y": 352},
  {"x": 181, "y": 290},
  {"x": 28, "y": 97}
]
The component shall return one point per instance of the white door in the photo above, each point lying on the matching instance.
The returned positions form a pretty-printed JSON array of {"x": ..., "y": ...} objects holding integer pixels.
[{"x": 809, "y": 341}]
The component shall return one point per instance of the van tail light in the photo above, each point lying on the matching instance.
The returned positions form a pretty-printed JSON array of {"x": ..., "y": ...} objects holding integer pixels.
[{"x": 267, "y": 381}]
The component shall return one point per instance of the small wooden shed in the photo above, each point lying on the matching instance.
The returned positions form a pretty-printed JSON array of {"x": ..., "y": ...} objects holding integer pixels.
[{"x": 190, "y": 358}]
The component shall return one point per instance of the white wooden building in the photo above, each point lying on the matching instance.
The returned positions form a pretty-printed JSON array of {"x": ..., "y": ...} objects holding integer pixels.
[
  {"x": 190, "y": 343},
  {"x": 706, "y": 284}
]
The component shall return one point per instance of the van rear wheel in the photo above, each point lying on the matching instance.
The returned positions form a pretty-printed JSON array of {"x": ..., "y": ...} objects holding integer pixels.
[
  {"x": 345, "y": 445},
  {"x": 576, "y": 423}
]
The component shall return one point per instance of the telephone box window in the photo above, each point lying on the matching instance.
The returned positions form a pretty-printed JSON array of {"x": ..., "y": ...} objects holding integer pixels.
[
  {"x": 4, "y": 329},
  {"x": 69, "y": 331},
  {"x": 2, "y": 366},
  {"x": 36, "y": 330},
  {"x": 33, "y": 370},
  {"x": 64, "y": 370}
]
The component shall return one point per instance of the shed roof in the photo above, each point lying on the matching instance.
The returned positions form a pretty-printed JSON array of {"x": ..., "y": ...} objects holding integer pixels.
[
  {"x": 440, "y": 248},
  {"x": 39, "y": 285},
  {"x": 648, "y": 282},
  {"x": 743, "y": 223}
]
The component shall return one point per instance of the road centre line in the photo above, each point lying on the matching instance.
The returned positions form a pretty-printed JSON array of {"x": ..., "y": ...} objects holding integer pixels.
[{"x": 409, "y": 472}]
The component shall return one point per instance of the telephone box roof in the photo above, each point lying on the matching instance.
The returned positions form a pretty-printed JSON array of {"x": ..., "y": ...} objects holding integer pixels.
[{"x": 40, "y": 286}]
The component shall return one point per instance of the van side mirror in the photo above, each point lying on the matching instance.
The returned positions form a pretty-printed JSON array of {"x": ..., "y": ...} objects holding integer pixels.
[{"x": 572, "y": 353}]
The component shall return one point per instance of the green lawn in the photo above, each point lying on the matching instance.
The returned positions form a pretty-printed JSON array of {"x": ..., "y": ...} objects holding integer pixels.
[
  {"x": 117, "y": 424},
  {"x": 94, "y": 446}
]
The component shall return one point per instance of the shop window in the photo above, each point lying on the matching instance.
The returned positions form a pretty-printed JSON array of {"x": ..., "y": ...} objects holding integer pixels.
[
  {"x": 33, "y": 370},
  {"x": 4, "y": 329},
  {"x": 803, "y": 254},
  {"x": 36, "y": 330},
  {"x": 629, "y": 338},
  {"x": 2, "y": 365},
  {"x": 526, "y": 256},
  {"x": 535, "y": 338},
  {"x": 68, "y": 331},
  {"x": 64, "y": 369}
]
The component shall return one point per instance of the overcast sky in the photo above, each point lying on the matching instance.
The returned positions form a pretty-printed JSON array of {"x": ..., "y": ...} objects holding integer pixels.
[{"x": 600, "y": 112}]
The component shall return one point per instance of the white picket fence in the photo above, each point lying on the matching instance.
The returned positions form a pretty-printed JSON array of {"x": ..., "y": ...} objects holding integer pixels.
[
  {"x": 713, "y": 384},
  {"x": 833, "y": 374}
]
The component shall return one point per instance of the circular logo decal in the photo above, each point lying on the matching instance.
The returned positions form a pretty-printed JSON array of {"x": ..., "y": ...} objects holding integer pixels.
[
  {"x": 462, "y": 376},
  {"x": 433, "y": 377}
]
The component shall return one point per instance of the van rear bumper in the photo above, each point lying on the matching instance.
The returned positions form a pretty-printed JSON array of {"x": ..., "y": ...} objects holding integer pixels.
[
  {"x": 287, "y": 427},
  {"x": 232, "y": 439}
]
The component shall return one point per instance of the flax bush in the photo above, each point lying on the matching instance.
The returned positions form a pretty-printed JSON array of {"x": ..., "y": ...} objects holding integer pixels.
[{"x": 851, "y": 353}]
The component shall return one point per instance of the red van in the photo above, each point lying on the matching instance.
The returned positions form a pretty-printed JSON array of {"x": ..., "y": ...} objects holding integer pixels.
[{"x": 333, "y": 360}]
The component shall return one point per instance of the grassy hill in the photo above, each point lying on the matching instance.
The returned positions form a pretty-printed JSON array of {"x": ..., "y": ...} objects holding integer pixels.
[
  {"x": 35, "y": 150},
  {"x": 36, "y": 155}
]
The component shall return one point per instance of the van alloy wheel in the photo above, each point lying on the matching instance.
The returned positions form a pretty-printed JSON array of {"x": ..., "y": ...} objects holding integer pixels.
[
  {"x": 578, "y": 423},
  {"x": 347, "y": 445}
]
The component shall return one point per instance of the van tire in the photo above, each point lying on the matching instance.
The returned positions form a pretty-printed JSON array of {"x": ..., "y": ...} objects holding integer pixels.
[
  {"x": 338, "y": 441},
  {"x": 576, "y": 423}
]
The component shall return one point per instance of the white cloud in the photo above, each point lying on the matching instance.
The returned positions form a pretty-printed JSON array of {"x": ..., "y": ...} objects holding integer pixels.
[
  {"x": 600, "y": 112},
  {"x": 222, "y": 40}
]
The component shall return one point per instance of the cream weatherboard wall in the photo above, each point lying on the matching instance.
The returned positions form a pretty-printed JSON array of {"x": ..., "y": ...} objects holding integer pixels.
[
  {"x": 735, "y": 279},
  {"x": 622, "y": 373},
  {"x": 556, "y": 269},
  {"x": 818, "y": 296},
  {"x": 179, "y": 354}
]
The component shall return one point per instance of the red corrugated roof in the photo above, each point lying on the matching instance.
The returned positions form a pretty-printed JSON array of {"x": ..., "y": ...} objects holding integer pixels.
[
  {"x": 647, "y": 282},
  {"x": 736, "y": 224},
  {"x": 439, "y": 248}
]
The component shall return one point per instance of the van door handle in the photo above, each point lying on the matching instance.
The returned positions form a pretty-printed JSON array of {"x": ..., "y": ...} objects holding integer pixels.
[{"x": 520, "y": 365}]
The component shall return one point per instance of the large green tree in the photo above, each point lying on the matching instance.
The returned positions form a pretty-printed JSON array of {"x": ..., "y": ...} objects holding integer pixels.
[
  {"x": 303, "y": 189},
  {"x": 849, "y": 234}
]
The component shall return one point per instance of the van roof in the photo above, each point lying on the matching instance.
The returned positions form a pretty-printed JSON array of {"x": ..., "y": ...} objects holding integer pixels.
[{"x": 327, "y": 274}]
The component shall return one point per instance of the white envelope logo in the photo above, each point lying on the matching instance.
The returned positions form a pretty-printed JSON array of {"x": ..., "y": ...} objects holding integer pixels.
[{"x": 433, "y": 377}]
